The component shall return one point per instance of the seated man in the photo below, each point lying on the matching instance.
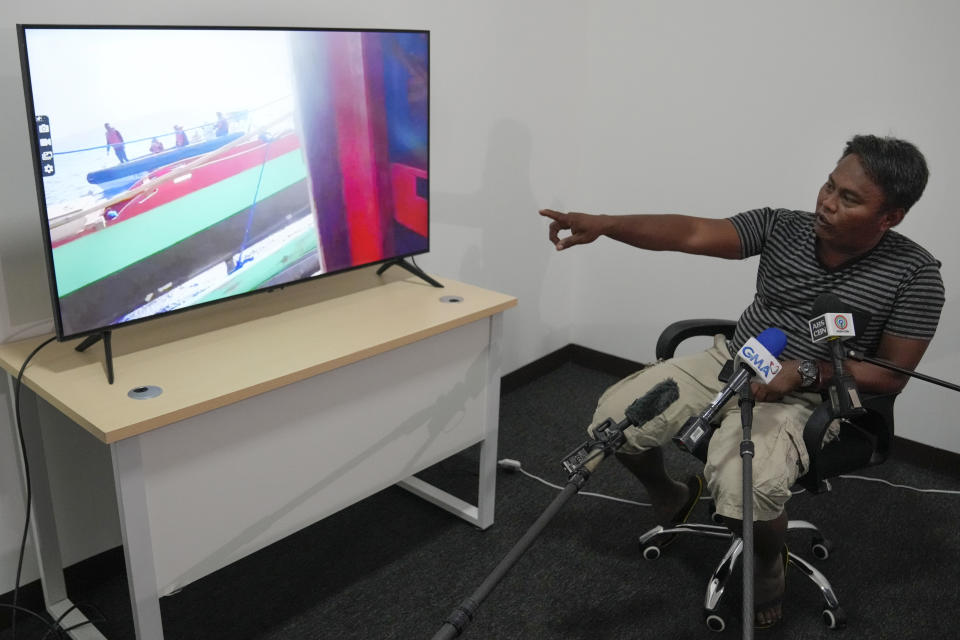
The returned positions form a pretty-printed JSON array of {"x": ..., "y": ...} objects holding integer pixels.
[{"x": 847, "y": 248}]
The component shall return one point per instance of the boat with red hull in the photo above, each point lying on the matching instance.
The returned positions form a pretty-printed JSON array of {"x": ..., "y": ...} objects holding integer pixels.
[{"x": 214, "y": 168}]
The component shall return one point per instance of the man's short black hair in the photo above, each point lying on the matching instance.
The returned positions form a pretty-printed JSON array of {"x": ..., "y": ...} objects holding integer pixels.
[{"x": 894, "y": 165}]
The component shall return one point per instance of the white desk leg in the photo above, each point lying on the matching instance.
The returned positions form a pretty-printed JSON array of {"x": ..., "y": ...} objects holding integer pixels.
[
  {"x": 480, "y": 515},
  {"x": 486, "y": 496},
  {"x": 43, "y": 526},
  {"x": 137, "y": 545}
]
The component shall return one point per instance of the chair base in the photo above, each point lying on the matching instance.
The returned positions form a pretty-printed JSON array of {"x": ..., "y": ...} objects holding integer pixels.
[{"x": 832, "y": 614}]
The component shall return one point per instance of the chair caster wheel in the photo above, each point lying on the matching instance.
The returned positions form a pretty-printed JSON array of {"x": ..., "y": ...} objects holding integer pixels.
[
  {"x": 715, "y": 517},
  {"x": 715, "y": 622},
  {"x": 650, "y": 552},
  {"x": 834, "y": 618},
  {"x": 821, "y": 547}
]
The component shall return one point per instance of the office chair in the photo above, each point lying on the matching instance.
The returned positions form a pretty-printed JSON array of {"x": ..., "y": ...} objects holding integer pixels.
[{"x": 863, "y": 441}]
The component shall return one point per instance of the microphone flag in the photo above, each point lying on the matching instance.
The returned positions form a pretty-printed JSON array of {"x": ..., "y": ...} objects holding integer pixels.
[
  {"x": 758, "y": 353},
  {"x": 829, "y": 321}
]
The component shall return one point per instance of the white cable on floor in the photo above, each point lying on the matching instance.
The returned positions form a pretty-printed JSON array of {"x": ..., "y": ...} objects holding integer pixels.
[
  {"x": 514, "y": 465},
  {"x": 902, "y": 486},
  {"x": 584, "y": 493}
]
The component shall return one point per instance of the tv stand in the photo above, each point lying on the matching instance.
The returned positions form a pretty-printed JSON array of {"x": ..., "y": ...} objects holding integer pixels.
[
  {"x": 415, "y": 270},
  {"x": 93, "y": 339}
]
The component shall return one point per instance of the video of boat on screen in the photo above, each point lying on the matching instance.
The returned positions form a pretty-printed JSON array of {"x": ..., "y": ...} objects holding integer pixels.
[{"x": 182, "y": 166}]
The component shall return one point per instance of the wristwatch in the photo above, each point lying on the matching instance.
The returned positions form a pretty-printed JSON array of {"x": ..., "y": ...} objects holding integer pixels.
[{"x": 809, "y": 372}]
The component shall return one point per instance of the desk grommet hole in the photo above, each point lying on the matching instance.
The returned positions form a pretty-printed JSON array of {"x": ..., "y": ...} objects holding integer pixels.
[
  {"x": 144, "y": 392},
  {"x": 451, "y": 299}
]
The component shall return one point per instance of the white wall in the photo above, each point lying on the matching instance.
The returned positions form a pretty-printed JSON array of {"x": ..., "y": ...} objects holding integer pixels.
[
  {"x": 695, "y": 107},
  {"x": 712, "y": 108}
]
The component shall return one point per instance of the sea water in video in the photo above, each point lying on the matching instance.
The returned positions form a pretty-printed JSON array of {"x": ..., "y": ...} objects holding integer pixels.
[{"x": 193, "y": 165}]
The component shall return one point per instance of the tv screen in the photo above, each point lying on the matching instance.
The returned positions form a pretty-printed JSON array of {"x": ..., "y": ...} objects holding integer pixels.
[{"x": 177, "y": 166}]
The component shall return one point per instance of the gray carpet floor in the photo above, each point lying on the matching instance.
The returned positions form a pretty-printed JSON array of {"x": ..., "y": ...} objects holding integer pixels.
[{"x": 394, "y": 567}]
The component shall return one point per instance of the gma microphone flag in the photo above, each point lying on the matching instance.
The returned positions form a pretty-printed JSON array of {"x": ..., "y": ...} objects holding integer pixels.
[{"x": 758, "y": 358}]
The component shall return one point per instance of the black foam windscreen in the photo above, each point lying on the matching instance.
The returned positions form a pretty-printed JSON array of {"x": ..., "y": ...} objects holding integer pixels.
[
  {"x": 827, "y": 303},
  {"x": 653, "y": 402}
]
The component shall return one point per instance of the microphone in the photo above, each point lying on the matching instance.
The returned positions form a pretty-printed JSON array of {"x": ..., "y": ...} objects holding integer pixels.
[
  {"x": 834, "y": 325},
  {"x": 608, "y": 435},
  {"x": 831, "y": 325},
  {"x": 757, "y": 356}
]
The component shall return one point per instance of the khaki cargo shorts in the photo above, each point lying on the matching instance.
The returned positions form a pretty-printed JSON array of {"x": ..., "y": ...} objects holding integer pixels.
[{"x": 777, "y": 432}]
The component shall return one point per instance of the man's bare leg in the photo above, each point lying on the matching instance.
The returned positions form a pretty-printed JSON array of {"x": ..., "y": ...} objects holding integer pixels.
[
  {"x": 769, "y": 538},
  {"x": 666, "y": 494}
]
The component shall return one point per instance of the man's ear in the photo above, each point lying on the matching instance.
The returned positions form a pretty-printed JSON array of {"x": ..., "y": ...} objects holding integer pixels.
[{"x": 892, "y": 218}]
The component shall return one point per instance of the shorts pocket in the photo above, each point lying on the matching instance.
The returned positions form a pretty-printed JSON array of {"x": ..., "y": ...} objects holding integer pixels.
[{"x": 802, "y": 457}]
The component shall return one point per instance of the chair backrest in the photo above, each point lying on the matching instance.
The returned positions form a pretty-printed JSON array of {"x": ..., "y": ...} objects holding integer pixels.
[{"x": 671, "y": 337}]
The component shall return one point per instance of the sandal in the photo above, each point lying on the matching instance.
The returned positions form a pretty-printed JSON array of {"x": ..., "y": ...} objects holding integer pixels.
[{"x": 776, "y": 602}]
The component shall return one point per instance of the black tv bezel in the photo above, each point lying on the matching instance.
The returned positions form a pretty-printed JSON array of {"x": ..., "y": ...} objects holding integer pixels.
[{"x": 41, "y": 193}]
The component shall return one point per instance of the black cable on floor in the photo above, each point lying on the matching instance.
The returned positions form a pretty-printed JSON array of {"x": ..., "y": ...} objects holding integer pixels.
[
  {"x": 26, "y": 473},
  {"x": 56, "y": 625},
  {"x": 51, "y": 626}
]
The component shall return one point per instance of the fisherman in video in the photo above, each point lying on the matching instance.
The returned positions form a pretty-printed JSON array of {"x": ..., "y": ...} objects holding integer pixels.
[
  {"x": 115, "y": 142},
  {"x": 846, "y": 247}
]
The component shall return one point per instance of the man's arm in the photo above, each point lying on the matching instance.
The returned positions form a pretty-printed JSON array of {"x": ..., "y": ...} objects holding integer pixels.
[
  {"x": 656, "y": 232},
  {"x": 902, "y": 352}
]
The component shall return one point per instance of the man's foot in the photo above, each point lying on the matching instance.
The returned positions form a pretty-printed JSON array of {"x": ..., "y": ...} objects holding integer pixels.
[{"x": 769, "y": 583}]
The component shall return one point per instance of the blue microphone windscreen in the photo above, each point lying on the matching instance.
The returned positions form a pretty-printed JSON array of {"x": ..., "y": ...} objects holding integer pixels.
[{"x": 774, "y": 340}]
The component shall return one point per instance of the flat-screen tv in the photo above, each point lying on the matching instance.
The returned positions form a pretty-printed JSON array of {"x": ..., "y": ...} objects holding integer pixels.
[{"x": 177, "y": 166}]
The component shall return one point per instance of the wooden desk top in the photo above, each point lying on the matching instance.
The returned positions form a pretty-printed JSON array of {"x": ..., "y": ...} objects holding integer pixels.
[{"x": 211, "y": 357}]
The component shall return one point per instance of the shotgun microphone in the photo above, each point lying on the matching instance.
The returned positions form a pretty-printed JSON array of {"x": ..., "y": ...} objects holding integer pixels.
[
  {"x": 608, "y": 435},
  {"x": 758, "y": 356}
]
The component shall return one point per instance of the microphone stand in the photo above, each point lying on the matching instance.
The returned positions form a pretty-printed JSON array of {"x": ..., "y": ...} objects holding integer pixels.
[
  {"x": 580, "y": 463},
  {"x": 842, "y": 388},
  {"x": 859, "y": 357},
  {"x": 746, "y": 403},
  {"x": 606, "y": 438}
]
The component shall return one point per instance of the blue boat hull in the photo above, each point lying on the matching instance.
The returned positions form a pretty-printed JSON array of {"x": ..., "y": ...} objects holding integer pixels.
[{"x": 121, "y": 176}]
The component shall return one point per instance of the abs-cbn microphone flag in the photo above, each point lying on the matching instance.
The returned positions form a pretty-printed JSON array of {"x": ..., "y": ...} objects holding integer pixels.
[{"x": 832, "y": 325}]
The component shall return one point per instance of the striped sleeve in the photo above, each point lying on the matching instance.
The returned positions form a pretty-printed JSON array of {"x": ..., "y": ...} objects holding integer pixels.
[
  {"x": 919, "y": 302},
  {"x": 753, "y": 227}
]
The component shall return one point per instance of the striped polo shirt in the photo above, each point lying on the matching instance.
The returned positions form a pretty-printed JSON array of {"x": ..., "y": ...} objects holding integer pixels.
[{"x": 897, "y": 283}]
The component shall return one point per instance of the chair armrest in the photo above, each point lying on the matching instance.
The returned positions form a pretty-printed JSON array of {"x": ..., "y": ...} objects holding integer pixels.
[
  {"x": 815, "y": 429},
  {"x": 880, "y": 419},
  {"x": 674, "y": 334},
  {"x": 863, "y": 440},
  {"x": 877, "y": 423}
]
